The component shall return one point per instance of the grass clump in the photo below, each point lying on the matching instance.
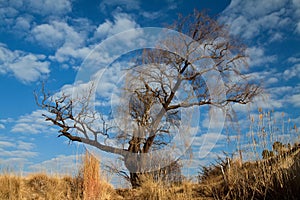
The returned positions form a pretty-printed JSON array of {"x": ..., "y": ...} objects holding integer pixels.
[{"x": 9, "y": 187}]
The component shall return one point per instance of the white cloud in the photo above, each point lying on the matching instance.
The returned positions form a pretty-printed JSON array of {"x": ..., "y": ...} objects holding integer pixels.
[
  {"x": 14, "y": 163},
  {"x": 15, "y": 153},
  {"x": 2, "y": 126},
  {"x": 298, "y": 28},
  {"x": 56, "y": 34},
  {"x": 5, "y": 144},
  {"x": 32, "y": 124},
  {"x": 206, "y": 143},
  {"x": 23, "y": 24},
  {"x": 7, "y": 14},
  {"x": 122, "y": 22},
  {"x": 268, "y": 102},
  {"x": 100, "y": 56},
  {"x": 250, "y": 18},
  {"x": 295, "y": 100},
  {"x": 25, "y": 145},
  {"x": 74, "y": 56},
  {"x": 126, "y": 4},
  {"x": 15, "y": 14},
  {"x": 280, "y": 90},
  {"x": 258, "y": 57},
  {"x": 293, "y": 71},
  {"x": 26, "y": 67},
  {"x": 294, "y": 59},
  {"x": 62, "y": 164},
  {"x": 48, "y": 7},
  {"x": 296, "y": 5},
  {"x": 153, "y": 15},
  {"x": 19, "y": 153},
  {"x": 47, "y": 35}
]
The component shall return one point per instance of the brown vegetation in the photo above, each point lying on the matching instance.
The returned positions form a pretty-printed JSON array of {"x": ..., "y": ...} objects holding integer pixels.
[
  {"x": 87, "y": 185},
  {"x": 273, "y": 178}
]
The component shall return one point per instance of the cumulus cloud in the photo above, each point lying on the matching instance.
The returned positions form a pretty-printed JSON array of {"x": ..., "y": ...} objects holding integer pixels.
[
  {"x": 26, "y": 67},
  {"x": 250, "y": 18},
  {"x": 122, "y": 22},
  {"x": 103, "y": 54},
  {"x": 23, "y": 24},
  {"x": 49, "y": 7},
  {"x": 15, "y": 14},
  {"x": 296, "y": 5},
  {"x": 8, "y": 11},
  {"x": 56, "y": 34}
]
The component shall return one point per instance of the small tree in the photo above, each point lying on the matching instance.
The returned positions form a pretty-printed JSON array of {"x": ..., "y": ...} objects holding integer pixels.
[{"x": 151, "y": 91}]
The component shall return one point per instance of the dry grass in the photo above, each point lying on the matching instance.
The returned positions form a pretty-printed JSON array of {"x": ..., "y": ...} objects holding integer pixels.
[
  {"x": 151, "y": 190},
  {"x": 10, "y": 186},
  {"x": 38, "y": 186},
  {"x": 87, "y": 185},
  {"x": 275, "y": 178},
  {"x": 94, "y": 185}
]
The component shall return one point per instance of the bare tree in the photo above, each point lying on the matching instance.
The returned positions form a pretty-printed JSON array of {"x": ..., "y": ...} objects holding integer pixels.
[{"x": 204, "y": 48}]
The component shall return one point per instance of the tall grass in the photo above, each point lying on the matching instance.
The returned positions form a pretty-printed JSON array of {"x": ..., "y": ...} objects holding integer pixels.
[
  {"x": 87, "y": 185},
  {"x": 273, "y": 175},
  {"x": 10, "y": 186},
  {"x": 94, "y": 185}
]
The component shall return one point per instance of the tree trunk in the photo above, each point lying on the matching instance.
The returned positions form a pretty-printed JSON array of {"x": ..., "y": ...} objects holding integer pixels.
[{"x": 135, "y": 180}]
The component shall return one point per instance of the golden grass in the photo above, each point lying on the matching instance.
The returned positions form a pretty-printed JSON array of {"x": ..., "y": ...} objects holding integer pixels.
[
  {"x": 274, "y": 178},
  {"x": 94, "y": 186},
  {"x": 87, "y": 185},
  {"x": 151, "y": 190},
  {"x": 38, "y": 186},
  {"x": 10, "y": 186}
]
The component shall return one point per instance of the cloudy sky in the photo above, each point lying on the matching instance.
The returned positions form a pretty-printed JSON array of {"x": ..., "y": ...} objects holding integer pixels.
[{"x": 45, "y": 40}]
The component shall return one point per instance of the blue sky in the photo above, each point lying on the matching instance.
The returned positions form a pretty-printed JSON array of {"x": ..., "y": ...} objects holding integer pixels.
[{"x": 48, "y": 40}]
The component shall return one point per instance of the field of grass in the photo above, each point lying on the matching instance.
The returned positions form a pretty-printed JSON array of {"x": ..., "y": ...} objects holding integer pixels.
[
  {"x": 275, "y": 175},
  {"x": 273, "y": 178}
]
